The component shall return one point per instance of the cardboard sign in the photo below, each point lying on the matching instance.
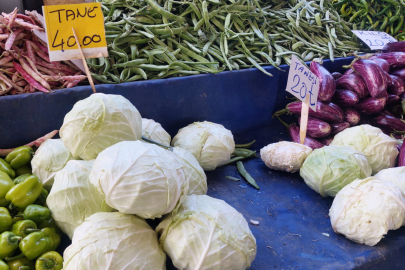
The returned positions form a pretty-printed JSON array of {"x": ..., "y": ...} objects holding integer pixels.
[
  {"x": 374, "y": 39},
  {"x": 88, "y": 22},
  {"x": 302, "y": 83}
]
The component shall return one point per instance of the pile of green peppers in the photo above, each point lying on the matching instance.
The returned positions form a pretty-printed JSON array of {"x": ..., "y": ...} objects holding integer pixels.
[
  {"x": 376, "y": 15},
  {"x": 28, "y": 234}
]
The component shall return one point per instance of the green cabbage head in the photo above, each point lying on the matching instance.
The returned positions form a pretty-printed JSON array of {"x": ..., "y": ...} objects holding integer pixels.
[
  {"x": 211, "y": 144},
  {"x": 328, "y": 169},
  {"x": 98, "y": 122},
  {"x": 114, "y": 241},
  {"x": 207, "y": 233},
  {"x": 154, "y": 131},
  {"x": 49, "y": 158},
  {"x": 379, "y": 148},
  {"x": 73, "y": 198}
]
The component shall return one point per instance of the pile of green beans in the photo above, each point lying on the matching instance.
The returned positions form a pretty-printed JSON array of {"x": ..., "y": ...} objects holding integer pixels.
[
  {"x": 167, "y": 38},
  {"x": 377, "y": 15}
]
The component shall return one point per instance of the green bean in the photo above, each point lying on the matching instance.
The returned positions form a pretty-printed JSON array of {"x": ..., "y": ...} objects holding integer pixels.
[
  {"x": 246, "y": 175},
  {"x": 139, "y": 71},
  {"x": 163, "y": 12},
  {"x": 131, "y": 63}
]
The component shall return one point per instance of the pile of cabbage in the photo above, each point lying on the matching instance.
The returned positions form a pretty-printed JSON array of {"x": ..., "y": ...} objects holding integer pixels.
[
  {"x": 365, "y": 207},
  {"x": 112, "y": 169}
]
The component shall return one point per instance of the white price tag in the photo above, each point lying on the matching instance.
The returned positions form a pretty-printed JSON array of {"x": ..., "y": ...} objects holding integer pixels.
[
  {"x": 374, "y": 39},
  {"x": 302, "y": 83}
]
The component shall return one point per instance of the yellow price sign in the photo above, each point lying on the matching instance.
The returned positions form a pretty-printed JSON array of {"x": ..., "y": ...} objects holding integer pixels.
[{"x": 88, "y": 22}]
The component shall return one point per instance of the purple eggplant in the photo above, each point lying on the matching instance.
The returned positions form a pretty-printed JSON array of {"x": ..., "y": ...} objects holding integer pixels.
[
  {"x": 336, "y": 75},
  {"x": 399, "y": 73},
  {"x": 397, "y": 86},
  {"x": 392, "y": 100},
  {"x": 389, "y": 123},
  {"x": 295, "y": 136},
  {"x": 398, "y": 46},
  {"x": 328, "y": 112},
  {"x": 395, "y": 59},
  {"x": 353, "y": 82},
  {"x": 371, "y": 105},
  {"x": 345, "y": 98},
  {"x": 382, "y": 63},
  {"x": 401, "y": 156},
  {"x": 351, "y": 116},
  {"x": 317, "y": 128},
  {"x": 373, "y": 76},
  {"x": 388, "y": 79},
  {"x": 327, "y": 84},
  {"x": 338, "y": 127},
  {"x": 326, "y": 140}
]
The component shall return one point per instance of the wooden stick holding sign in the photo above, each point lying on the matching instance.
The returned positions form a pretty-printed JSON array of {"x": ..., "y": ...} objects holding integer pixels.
[
  {"x": 84, "y": 62},
  {"x": 303, "y": 84},
  {"x": 304, "y": 119}
]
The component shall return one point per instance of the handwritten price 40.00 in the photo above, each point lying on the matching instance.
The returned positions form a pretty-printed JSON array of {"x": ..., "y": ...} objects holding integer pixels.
[{"x": 70, "y": 15}]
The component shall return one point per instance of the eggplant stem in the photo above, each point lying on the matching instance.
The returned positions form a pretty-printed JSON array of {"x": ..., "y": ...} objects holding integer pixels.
[
  {"x": 282, "y": 122},
  {"x": 280, "y": 112}
]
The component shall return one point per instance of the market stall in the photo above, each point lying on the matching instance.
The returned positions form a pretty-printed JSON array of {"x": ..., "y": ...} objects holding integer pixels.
[{"x": 282, "y": 211}]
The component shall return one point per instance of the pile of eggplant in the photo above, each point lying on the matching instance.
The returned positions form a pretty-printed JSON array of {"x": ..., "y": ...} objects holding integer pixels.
[{"x": 369, "y": 92}]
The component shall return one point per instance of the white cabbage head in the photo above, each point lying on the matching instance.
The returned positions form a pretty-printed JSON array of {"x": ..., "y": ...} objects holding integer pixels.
[
  {"x": 140, "y": 178},
  {"x": 285, "y": 156},
  {"x": 328, "y": 169},
  {"x": 207, "y": 233},
  {"x": 211, "y": 144},
  {"x": 194, "y": 174},
  {"x": 98, "y": 122},
  {"x": 379, "y": 148},
  {"x": 112, "y": 241},
  {"x": 73, "y": 198},
  {"x": 154, "y": 131},
  {"x": 365, "y": 210},
  {"x": 394, "y": 175},
  {"x": 49, "y": 158}
]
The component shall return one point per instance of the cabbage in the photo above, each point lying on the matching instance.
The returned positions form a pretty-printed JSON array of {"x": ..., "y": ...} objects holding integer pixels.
[
  {"x": 73, "y": 198},
  {"x": 154, "y": 131},
  {"x": 207, "y": 233},
  {"x": 285, "y": 156},
  {"x": 211, "y": 144},
  {"x": 194, "y": 174},
  {"x": 98, "y": 122},
  {"x": 50, "y": 158},
  {"x": 394, "y": 175},
  {"x": 114, "y": 241},
  {"x": 140, "y": 178},
  {"x": 379, "y": 149},
  {"x": 328, "y": 169},
  {"x": 365, "y": 210}
]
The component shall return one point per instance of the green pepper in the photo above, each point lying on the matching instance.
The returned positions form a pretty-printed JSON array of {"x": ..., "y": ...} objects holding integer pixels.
[
  {"x": 36, "y": 213},
  {"x": 42, "y": 197},
  {"x": 5, "y": 185},
  {"x": 16, "y": 219},
  {"x": 21, "y": 264},
  {"x": 37, "y": 243},
  {"x": 49, "y": 261},
  {"x": 3, "y": 266},
  {"x": 49, "y": 223},
  {"x": 19, "y": 157},
  {"x": 5, "y": 167},
  {"x": 8, "y": 244},
  {"x": 26, "y": 169},
  {"x": 25, "y": 192},
  {"x": 5, "y": 220},
  {"x": 24, "y": 227}
]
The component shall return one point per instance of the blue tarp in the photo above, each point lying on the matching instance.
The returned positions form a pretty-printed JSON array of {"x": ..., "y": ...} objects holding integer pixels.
[{"x": 293, "y": 218}]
